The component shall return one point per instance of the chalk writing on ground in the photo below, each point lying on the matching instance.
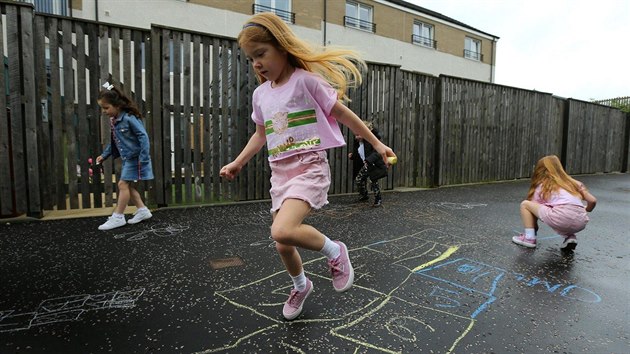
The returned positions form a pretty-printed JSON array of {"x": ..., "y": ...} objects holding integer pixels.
[
  {"x": 67, "y": 308},
  {"x": 161, "y": 230},
  {"x": 405, "y": 289},
  {"x": 457, "y": 206}
]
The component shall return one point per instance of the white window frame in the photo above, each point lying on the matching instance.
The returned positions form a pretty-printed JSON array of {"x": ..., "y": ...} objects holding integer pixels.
[
  {"x": 472, "y": 52},
  {"x": 273, "y": 5},
  {"x": 357, "y": 15},
  {"x": 425, "y": 41}
]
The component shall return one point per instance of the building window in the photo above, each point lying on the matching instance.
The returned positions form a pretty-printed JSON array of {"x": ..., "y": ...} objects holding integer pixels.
[
  {"x": 423, "y": 35},
  {"x": 472, "y": 49},
  {"x": 58, "y": 7},
  {"x": 359, "y": 16},
  {"x": 282, "y": 8}
]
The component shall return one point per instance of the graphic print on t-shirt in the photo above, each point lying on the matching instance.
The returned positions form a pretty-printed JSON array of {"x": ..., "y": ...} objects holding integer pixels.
[{"x": 289, "y": 131}]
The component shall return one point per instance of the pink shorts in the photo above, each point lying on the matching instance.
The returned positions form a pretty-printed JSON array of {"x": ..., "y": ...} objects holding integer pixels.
[
  {"x": 565, "y": 219},
  {"x": 304, "y": 176}
]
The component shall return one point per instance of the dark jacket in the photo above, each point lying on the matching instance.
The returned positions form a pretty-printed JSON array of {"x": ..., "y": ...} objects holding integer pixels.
[{"x": 376, "y": 166}]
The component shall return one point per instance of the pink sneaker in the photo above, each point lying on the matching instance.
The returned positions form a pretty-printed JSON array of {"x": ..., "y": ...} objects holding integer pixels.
[
  {"x": 341, "y": 270},
  {"x": 293, "y": 307},
  {"x": 569, "y": 243},
  {"x": 523, "y": 241}
]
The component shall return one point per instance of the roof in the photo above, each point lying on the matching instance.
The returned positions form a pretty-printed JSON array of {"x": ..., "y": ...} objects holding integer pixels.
[{"x": 437, "y": 15}]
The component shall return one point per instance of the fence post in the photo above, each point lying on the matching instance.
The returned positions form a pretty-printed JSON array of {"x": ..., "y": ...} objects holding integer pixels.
[
  {"x": 158, "y": 115},
  {"x": 30, "y": 116},
  {"x": 626, "y": 145},
  {"x": 565, "y": 132},
  {"x": 436, "y": 162}
]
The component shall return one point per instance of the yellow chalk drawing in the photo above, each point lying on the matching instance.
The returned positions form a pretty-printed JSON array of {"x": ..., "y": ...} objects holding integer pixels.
[
  {"x": 407, "y": 248},
  {"x": 442, "y": 257}
]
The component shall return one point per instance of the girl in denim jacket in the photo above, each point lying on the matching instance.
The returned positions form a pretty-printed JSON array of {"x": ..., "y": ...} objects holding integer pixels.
[{"x": 130, "y": 142}]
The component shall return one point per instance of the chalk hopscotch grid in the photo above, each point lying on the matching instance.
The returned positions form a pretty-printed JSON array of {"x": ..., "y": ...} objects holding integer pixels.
[{"x": 67, "y": 308}]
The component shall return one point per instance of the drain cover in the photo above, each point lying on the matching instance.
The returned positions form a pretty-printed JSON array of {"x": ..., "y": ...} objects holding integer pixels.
[{"x": 226, "y": 262}]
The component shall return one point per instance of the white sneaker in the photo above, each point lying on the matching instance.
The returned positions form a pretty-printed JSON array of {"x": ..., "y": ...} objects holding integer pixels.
[
  {"x": 112, "y": 223},
  {"x": 139, "y": 216}
]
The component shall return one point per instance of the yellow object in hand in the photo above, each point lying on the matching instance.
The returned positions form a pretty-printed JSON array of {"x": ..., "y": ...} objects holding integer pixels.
[{"x": 392, "y": 160}]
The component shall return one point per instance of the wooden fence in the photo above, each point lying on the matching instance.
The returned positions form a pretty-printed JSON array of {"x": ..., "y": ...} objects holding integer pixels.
[{"x": 195, "y": 89}]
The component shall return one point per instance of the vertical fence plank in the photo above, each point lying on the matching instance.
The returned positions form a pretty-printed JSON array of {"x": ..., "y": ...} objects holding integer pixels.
[
  {"x": 30, "y": 117},
  {"x": 235, "y": 118},
  {"x": 196, "y": 96},
  {"x": 16, "y": 113},
  {"x": 58, "y": 173},
  {"x": 94, "y": 114},
  {"x": 82, "y": 127},
  {"x": 179, "y": 118},
  {"x": 219, "y": 188},
  {"x": 185, "y": 123},
  {"x": 42, "y": 112},
  {"x": 242, "y": 98},
  {"x": 208, "y": 176},
  {"x": 157, "y": 50},
  {"x": 6, "y": 186},
  {"x": 105, "y": 138},
  {"x": 69, "y": 115}
]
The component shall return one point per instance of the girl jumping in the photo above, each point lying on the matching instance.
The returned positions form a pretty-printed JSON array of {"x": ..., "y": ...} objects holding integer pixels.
[{"x": 296, "y": 108}]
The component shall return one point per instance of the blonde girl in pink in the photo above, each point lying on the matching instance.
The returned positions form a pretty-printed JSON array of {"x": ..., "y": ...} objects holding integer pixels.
[
  {"x": 556, "y": 199},
  {"x": 296, "y": 108}
]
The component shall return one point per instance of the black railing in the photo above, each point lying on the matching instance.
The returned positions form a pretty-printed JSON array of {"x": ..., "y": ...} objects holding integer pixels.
[
  {"x": 423, "y": 41},
  {"x": 285, "y": 15},
  {"x": 473, "y": 55},
  {"x": 360, "y": 24}
]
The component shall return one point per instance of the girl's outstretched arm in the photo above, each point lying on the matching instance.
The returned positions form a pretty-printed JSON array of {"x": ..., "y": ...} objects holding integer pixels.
[
  {"x": 255, "y": 143},
  {"x": 346, "y": 117}
]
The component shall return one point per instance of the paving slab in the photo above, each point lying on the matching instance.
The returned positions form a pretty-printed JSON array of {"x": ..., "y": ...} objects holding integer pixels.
[{"x": 435, "y": 271}]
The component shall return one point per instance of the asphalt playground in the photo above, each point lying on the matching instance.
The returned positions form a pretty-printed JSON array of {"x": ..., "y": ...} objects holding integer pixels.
[{"x": 435, "y": 272}]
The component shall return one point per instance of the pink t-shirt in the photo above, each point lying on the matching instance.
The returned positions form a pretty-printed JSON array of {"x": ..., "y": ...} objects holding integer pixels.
[
  {"x": 559, "y": 197},
  {"x": 296, "y": 115}
]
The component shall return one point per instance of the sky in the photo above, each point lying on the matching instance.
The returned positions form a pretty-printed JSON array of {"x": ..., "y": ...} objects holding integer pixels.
[{"x": 571, "y": 48}]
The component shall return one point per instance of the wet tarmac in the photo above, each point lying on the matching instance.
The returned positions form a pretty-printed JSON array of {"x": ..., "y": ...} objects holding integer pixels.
[{"x": 436, "y": 272}]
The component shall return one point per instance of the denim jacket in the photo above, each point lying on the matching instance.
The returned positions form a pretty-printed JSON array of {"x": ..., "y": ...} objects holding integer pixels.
[{"x": 132, "y": 139}]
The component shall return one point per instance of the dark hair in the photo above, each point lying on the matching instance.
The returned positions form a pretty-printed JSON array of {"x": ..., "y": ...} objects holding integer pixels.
[{"x": 119, "y": 100}]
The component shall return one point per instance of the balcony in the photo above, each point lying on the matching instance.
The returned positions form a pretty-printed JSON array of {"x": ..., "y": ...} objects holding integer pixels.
[
  {"x": 359, "y": 24},
  {"x": 469, "y": 54},
  {"x": 285, "y": 15},
  {"x": 423, "y": 41}
]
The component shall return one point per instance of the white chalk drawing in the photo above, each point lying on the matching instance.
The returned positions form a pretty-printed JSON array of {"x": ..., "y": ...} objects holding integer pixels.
[
  {"x": 161, "y": 230},
  {"x": 67, "y": 308},
  {"x": 457, "y": 206},
  {"x": 268, "y": 242}
]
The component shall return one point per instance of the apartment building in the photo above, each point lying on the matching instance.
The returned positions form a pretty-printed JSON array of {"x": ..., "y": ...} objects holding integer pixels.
[{"x": 385, "y": 31}]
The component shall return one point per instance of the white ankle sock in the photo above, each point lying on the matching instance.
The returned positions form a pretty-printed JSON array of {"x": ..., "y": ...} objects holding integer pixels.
[
  {"x": 331, "y": 250},
  {"x": 530, "y": 234},
  {"x": 118, "y": 216},
  {"x": 299, "y": 281}
]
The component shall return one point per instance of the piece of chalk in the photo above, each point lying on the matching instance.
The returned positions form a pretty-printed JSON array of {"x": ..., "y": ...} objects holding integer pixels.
[{"x": 392, "y": 160}]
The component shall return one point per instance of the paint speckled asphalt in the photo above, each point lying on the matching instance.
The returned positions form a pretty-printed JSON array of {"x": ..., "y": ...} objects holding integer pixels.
[{"x": 435, "y": 272}]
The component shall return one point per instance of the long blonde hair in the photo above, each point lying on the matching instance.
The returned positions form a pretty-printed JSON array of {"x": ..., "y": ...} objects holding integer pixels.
[
  {"x": 551, "y": 176},
  {"x": 340, "y": 67}
]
